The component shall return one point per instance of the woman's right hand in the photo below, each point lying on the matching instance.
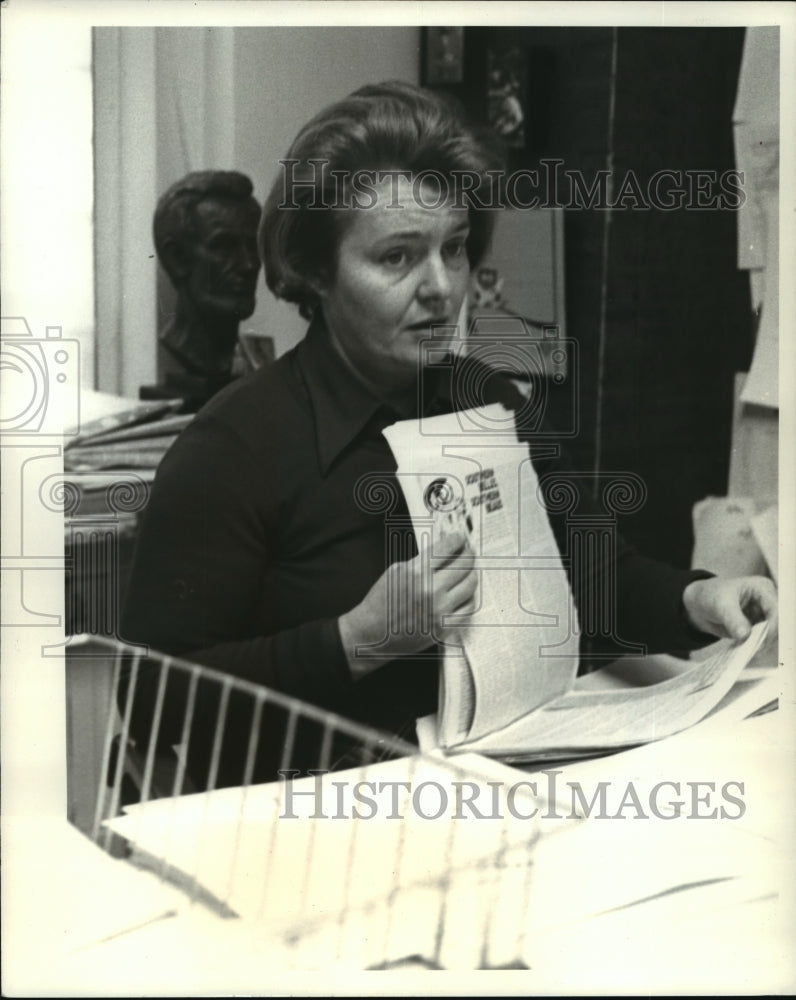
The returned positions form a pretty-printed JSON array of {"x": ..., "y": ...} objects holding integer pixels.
[{"x": 405, "y": 609}]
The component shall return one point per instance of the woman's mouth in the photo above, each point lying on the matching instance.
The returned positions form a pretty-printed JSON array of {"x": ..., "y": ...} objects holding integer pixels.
[{"x": 427, "y": 324}]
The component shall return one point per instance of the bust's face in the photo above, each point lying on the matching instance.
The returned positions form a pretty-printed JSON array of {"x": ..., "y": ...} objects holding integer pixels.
[{"x": 224, "y": 263}]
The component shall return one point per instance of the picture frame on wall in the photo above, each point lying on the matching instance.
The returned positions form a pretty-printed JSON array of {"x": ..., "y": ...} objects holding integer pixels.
[
  {"x": 507, "y": 94},
  {"x": 503, "y": 79},
  {"x": 443, "y": 62}
]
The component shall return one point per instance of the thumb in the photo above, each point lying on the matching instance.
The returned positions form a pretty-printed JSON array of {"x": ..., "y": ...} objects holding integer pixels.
[{"x": 735, "y": 622}]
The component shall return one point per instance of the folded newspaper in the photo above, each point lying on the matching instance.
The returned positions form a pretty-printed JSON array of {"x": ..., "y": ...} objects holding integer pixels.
[{"x": 508, "y": 679}]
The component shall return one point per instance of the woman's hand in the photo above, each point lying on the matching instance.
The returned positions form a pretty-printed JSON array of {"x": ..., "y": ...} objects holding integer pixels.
[
  {"x": 404, "y": 611},
  {"x": 728, "y": 607}
]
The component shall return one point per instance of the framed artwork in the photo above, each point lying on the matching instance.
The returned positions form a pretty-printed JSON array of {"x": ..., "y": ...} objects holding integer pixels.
[
  {"x": 503, "y": 77},
  {"x": 443, "y": 56},
  {"x": 507, "y": 94}
]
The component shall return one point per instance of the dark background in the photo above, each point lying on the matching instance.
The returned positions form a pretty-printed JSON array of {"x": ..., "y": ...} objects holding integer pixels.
[{"x": 679, "y": 322}]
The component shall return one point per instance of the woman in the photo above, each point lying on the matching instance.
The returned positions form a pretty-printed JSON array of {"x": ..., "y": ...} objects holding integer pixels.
[{"x": 255, "y": 557}]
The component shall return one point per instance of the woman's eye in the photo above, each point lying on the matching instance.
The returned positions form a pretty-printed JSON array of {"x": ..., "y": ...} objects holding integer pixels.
[
  {"x": 456, "y": 249},
  {"x": 395, "y": 258}
]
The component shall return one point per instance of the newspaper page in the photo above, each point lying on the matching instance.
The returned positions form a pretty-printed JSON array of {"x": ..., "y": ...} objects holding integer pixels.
[
  {"x": 586, "y": 721},
  {"x": 519, "y": 649}
]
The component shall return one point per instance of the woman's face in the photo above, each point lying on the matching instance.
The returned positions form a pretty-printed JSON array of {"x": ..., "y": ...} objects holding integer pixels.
[{"x": 401, "y": 269}]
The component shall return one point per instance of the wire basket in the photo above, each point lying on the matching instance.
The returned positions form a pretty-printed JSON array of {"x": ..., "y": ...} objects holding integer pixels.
[{"x": 329, "y": 843}]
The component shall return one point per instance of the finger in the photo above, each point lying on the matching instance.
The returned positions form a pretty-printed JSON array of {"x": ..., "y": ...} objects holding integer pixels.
[
  {"x": 437, "y": 581},
  {"x": 449, "y": 547},
  {"x": 467, "y": 607},
  {"x": 764, "y": 594},
  {"x": 734, "y": 622},
  {"x": 753, "y": 609},
  {"x": 458, "y": 616},
  {"x": 759, "y": 603},
  {"x": 454, "y": 575},
  {"x": 453, "y": 609},
  {"x": 463, "y": 592},
  {"x": 460, "y": 567}
]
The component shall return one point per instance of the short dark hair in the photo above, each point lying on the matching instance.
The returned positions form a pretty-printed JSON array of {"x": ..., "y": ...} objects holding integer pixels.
[
  {"x": 392, "y": 126},
  {"x": 174, "y": 218}
]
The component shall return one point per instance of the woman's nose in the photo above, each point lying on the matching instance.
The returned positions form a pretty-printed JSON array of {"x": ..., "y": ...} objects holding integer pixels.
[{"x": 435, "y": 283}]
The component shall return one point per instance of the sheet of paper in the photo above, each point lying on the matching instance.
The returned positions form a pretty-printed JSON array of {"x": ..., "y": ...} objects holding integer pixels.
[
  {"x": 765, "y": 530},
  {"x": 162, "y": 427},
  {"x": 102, "y": 412},
  {"x": 593, "y": 720},
  {"x": 335, "y": 879},
  {"x": 731, "y": 860},
  {"x": 525, "y": 620},
  {"x": 762, "y": 383},
  {"x": 756, "y": 138},
  {"x": 71, "y": 891}
]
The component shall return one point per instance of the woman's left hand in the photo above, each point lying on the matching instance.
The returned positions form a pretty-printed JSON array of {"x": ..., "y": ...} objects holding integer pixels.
[{"x": 728, "y": 607}]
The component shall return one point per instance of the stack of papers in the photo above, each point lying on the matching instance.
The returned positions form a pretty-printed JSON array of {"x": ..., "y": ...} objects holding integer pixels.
[{"x": 359, "y": 868}]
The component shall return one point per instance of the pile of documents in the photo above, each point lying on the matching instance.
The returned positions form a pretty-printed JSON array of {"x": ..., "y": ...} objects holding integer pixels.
[{"x": 118, "y": 441}]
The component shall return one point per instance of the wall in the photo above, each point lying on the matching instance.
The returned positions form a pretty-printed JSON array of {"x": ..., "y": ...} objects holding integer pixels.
[
  {"x": 283, "y": 76},
  {"x": 125, "y": 184},
  {"x": 654, "y": 298},
  {"x": 47, "y": 233},
  {"x": 172, "y": 100}
]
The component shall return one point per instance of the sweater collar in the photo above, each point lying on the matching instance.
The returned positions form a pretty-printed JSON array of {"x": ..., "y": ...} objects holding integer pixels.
[{"x": 342, "y": 405}]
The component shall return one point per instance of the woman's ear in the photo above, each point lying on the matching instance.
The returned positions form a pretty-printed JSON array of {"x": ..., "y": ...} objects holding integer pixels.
[{"x": 319, "y": 282}]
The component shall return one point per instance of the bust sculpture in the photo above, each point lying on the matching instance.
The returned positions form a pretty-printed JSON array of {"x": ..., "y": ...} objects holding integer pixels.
[{"x": 205, "y": 232}]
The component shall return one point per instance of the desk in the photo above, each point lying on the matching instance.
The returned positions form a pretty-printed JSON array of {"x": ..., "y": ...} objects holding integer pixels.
[
  {"x": 724, "y": 924},
  {"x": 648, "y": 906}
]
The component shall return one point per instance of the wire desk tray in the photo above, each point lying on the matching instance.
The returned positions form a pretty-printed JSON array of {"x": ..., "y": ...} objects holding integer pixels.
[{"x": 330, "y": 843}]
